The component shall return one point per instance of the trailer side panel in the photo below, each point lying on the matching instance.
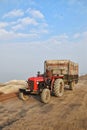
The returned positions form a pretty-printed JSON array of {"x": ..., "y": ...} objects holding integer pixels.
[{"x": 62, "y": 67}]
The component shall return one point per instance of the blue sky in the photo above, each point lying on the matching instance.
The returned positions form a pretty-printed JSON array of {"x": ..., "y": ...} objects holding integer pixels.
[{"x": 33, "y": 31}]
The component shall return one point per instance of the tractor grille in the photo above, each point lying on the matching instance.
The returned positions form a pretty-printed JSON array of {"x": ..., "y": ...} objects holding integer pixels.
[{"x": 31, "y": 85}]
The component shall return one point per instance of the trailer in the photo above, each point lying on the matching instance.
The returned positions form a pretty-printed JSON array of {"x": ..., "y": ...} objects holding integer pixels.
[{"x": 66, "y": 68}]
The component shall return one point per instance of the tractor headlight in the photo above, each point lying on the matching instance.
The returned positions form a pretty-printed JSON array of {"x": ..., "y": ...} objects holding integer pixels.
[{"x": 37, "y": 82}]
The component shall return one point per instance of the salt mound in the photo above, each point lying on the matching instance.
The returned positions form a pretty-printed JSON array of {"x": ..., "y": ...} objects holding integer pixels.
[{"x": 12, "y": 86}]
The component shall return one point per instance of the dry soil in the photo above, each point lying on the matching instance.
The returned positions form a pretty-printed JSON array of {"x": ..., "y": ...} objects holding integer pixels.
[{"x": 66, "y": 113}]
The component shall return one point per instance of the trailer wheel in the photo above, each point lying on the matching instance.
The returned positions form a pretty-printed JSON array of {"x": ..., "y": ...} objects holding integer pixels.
[
  {"x": 58, "y": 87},
  {"x": 71, "y": 86},
  {"x": 45, "y": 95},
  {"x": 23, "y": 96}
]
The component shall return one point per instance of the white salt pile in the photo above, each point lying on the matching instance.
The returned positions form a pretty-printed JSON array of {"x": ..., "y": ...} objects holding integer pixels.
[{"x": 12, "y": 86}]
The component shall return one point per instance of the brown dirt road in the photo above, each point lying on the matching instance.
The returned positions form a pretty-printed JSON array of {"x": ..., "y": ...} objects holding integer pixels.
[{"x": 66, "y": 113}]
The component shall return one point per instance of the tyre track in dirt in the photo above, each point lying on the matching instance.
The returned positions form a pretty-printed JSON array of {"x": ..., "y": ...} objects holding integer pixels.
[{"x": 4, "y": 97}]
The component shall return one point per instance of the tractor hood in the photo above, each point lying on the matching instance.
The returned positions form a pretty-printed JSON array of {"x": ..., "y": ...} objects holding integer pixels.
[{"x": 38, "y": 79}]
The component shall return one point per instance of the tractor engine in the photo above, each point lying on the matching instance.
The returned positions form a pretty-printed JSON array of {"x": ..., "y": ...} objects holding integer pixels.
[{"x": 35, "y": 84}]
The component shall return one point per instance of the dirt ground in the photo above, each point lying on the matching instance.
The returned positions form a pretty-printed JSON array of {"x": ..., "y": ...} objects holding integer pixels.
[{"x": 66, "y": 113}]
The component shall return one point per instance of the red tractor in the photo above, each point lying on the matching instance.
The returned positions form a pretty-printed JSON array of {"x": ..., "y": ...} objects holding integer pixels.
[{"x": 44, "y": 85}]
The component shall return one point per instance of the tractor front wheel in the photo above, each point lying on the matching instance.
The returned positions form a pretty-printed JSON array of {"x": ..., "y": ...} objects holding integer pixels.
[
  {"x": 45, "y": 95},
  {"x": 23, "y": 96}
]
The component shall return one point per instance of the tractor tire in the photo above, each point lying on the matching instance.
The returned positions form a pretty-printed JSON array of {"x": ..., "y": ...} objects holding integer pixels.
[
  {"x": 58, "y": 87},
  {"x": 23, "y": 96},
  {"x": 45, "y": 95},
  {"x": 71, "y": 86}
]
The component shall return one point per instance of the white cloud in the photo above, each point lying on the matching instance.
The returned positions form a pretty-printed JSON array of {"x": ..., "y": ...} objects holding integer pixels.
[
  {"x": 11, "y": 35},
  {"x": 63, "y": 36},
  {"x": 17, "y": 27},
  {"x": 22, "y": 35},
  {"x": 28, "y": 20},
  {"x": 21, "y": 23},
  {"x": 61, "y": 39},
  {"x": 81, "y": 36},
  {"x": 2, "y": 31},
  {"x": 8, "y": 35},
  {"x": 5, "y": 35},
  {"x": 14, "y": 13},
  {"x": 32, "y": 19},
  {"x": 39, "y": 32},
  {"x": 37, "y": 27},
  {"x": 3, "y": 24},
  {"x": 76, "y": 35},
  {"x": 35, "y": 13}
]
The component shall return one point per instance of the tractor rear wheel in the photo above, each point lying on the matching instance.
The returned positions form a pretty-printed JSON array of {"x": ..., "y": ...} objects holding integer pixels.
[
  {"x": 58, "y": 87},
  {"x": 71, "y": 86},
  {"x": 45, "y": 95},
  {"x": 23, "y": 96}
]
